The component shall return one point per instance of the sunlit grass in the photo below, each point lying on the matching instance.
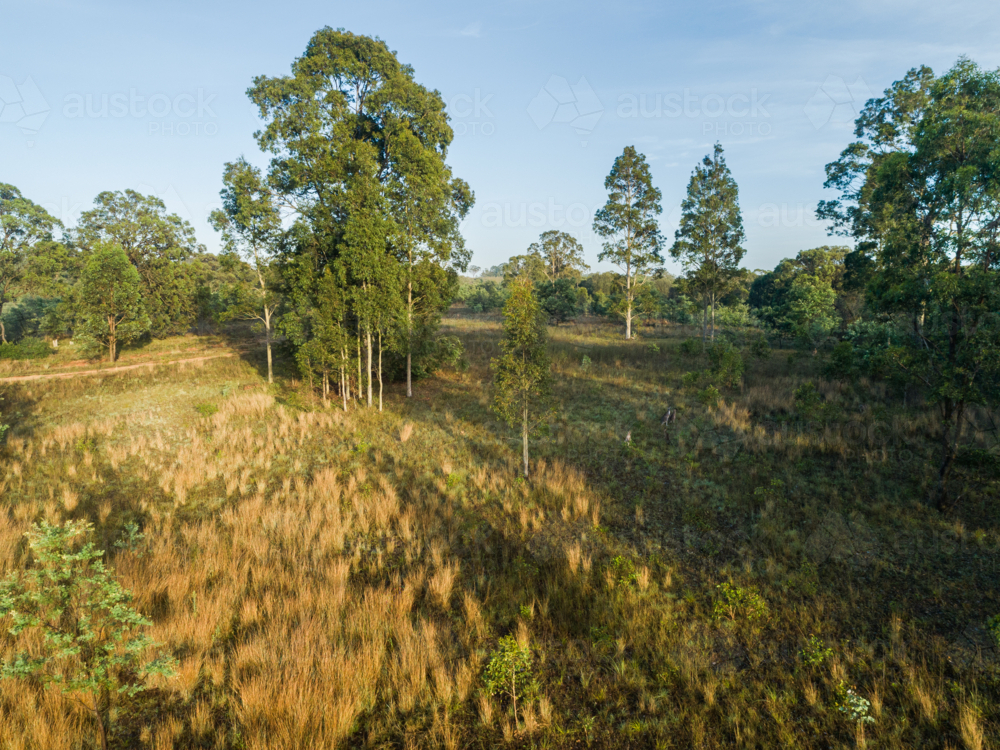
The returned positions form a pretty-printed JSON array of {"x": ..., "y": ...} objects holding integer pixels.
[{"x": 332, "y": 579}]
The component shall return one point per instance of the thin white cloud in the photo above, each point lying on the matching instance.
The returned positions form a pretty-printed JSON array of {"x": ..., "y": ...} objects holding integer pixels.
[{"x": 473, "y": 29}]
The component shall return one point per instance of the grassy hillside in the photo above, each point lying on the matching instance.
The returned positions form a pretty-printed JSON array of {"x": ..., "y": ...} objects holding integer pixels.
[{"x": 343, "y": 579}]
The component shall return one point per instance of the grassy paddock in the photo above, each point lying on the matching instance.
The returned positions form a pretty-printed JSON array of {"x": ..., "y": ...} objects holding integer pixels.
[{"x": 332, "y": 579}]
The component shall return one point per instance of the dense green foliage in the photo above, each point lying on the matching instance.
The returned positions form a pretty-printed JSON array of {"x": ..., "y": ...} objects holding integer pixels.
[{"x": 113, "y": 308}]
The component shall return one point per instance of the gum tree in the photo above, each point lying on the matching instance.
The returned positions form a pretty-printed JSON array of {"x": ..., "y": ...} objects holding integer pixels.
[
  {"x": 709, "y": 241},
  {"x": 351, "y": 120},
  {"x": 250, "y": 224},
  {"x": 562, "y": 255},
  {"x": 629, "y": 225}
]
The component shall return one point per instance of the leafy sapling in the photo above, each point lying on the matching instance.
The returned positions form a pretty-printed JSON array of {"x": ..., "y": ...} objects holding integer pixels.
[
  {"x": 509, "y": 671},
  {"x": 74, "y": 625}
]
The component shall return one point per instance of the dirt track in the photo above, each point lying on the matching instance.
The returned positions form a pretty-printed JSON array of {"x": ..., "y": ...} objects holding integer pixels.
[{"x": 108, "y": 370}]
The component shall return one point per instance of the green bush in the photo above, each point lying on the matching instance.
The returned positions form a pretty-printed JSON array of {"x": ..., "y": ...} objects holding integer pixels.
[
  {"x": 509, "y": 672},
  {"x": 709, "y": 396},
  {"x": 206, "y": 409},
  {"x": 993, "y": 626},
  {"x": 807, "y": 400},
  {"x": 737, "y": 603},
  {"x": 727, "y": 363},
  {"x": 689, "y": 346},
  {"x": 760, "y": 348},
  {"x": 690, "y": 379},
  {"x": 27, "y": 348},
  {"x": 73, "y": 626},
  {"x": 652, "y": 348},
  {"x": 623, "y": 571},
  {"x": 485, "y": 297},
  {"x": 815, "y": 653},
  {"x": 842, "y": 361}
]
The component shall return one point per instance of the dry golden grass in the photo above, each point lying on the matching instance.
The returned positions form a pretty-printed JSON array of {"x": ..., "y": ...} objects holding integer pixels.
[{"x": 332, "y": 579}]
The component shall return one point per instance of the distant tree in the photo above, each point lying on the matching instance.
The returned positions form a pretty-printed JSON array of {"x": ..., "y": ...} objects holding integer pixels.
[
  {"x": 529, "y": 265},
  {"x": 561, "y": 254},
  {"x": 485, "y": 297},
  {"x": 75, "y": 625},
  {"x": 251, "y": 229},
  {"x": 709, "y": 241},
  {"x": 920, "y": 195},
  {"x": 629, "y": 225},
  {"x": 111, "y": 298},
  {"x": 522, "y": 379},
  {"x": 24, "y": 226},
  {"x": 157, "y": 244}
]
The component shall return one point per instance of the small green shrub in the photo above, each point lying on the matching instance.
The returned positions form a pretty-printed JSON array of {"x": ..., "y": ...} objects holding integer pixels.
[
  {"x": 689, "y": 346},
  {"x": 206, "y": 409},
  {"x": 807, "y": 400},
  {"x": 709, "y": 396},
  {"x": 771, "y": 491},
  {"x": 26, "y": 348},
  {"x": 760, "y": 348},
  {"x": 993, "y": 626},
  {"x": 132, "y": 540},
  {"x": 727, "y": 364},
  {"x": 815, "y": 653},
  {"x": 623, "y": 571},
  {"x": 585, "y": 363},
  {"x": 842, "y": 362},
  {"x": 509, "y": 672},
  {"x": 652, "y": 348},
  {"x": 853, "y": 705},
  {"x": 74, "y": 625},
  {"x": 738, "y": 603}
]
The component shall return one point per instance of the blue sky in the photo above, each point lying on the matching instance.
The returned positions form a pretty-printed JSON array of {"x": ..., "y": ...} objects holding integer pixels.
[{"x": 543, "y": 97}]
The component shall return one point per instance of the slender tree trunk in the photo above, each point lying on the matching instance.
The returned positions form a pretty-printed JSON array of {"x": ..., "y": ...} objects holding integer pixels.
[
  {"x": 267, "y": 339},
  {"x": 409, "y": 334},
  {"x": 3, "y": 332},
  {"x": 112, "y": 327},
  {"x": 368, "y": 347},
  {"x": 343, "y": 386},
  {"x": 713, "y": 317},
  {"x": 704, "y": 324},
  {"x": 524, "y": 439},
  {"x": 102, "y": 726},
  {"x": 347, "y": 375},
  {"x": 513, "y": 678},
  {"x": 380, "y": 370},
  {"x": 628, "y": 306},
  {"x": 360, "y": 381}
]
